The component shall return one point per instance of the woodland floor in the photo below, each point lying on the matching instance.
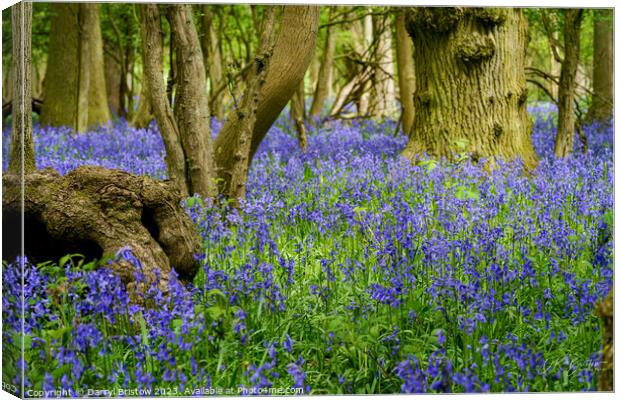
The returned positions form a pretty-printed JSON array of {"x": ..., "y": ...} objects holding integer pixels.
[{"x": 347, "y": 270}]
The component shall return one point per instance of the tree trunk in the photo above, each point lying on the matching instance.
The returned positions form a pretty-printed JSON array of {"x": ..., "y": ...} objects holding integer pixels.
[
  {"x": 7, "y": 81},
  {"x": 113, "y": 79},
  {"x": 98, "y": 111},
  {"x": 70, "y": 73},
  {"x": 566, "y": 115},
  {"x": 96, "y": 212},
  {"x": 298, "y": 114},
  {"x": 471, "y": 93},
  {"x": 22, "y": 144},
  {"x": 144, "y": 114},
  {"x": 364, "y": 44},
  {"x": 151, "y": 33},
  {"x": 384, "y": 100},
  {"x": 191, "y": 108},
  {"x": 292, "y": 54},
  {"x": 65, "y": 97},
  {"x": 406, "y": 73},
  {"x": 38, "y": 77},
  {"x": 325, "y": 78},
  {"x": 212, "y": 56},
  {"x": 602, "y": 106},
  {"x": 241, "y": 123}
]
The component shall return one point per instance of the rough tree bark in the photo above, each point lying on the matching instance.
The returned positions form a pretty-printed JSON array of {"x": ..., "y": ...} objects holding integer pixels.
[
  {"x": 297, "y": 36},
  {"x": 565, "y": 138},
  {"x": 406, "y": 72},
  {"x": 151, "y": 33},
  {"x": 471, "y": 93},
  {"x": 326, "y": 72},
  {"x": 242, "y": 121},
  {"x": 602, "y": 106},
  {"x": 73, "y": 33},
  {"x": 98, "y": 211},
  {"x": 21, "y": 133},
  {"x": 191, "y": 108},
  {"x": 384, "y": 99}
]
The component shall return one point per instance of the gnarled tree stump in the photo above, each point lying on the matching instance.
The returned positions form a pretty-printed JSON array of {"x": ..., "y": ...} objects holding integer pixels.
[{"x": 96, "y": 211}]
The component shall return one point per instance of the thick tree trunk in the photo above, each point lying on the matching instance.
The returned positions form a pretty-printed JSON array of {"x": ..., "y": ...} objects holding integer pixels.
[
  {"x": 292, "y": 54},
  {"x": 606, "y": 311},
  {"x": 191, "y": 108},
  {"x": 384, "y": 100},
  {"x": 471, "y": 93},
  {"x": 602, "y": 106},
  {"x": 568, "y": 81},
  {"x": 150, "y": 29},
  {"x": 22, "y": 144},
  {"x": 73, "y": 51},
  {"x": 325, "y": 78},
  {"x": 98, "y": 111},
  {"x": 65, "y": 99},
  {"x": 96, "y": 212},
  {"x": 406, "y": 72}
]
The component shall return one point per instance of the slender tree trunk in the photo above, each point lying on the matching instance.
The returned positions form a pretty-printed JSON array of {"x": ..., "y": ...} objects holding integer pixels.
[
  {"x": 470, "y": 76},
  {"x": 21, "y": 134},
  {"x": 292, "y": 54},
  {"x": 298, "y": 114},
  {"x": 556, "y": 69},
  {"x": 151, "y": 32},
  {"x": 406, "y": 73},
  {"x": 38, "y": 77},
  {"x": 384, "y": 100},
  {"x": 602, "y": 106},
  {"x": 212, "y": 56},
  {"x": 325, "y": 78},
  {"x": 113, "y": 84},
  {"x": 191, "y": 108},
  {"x": 242, "y": 122},
  {"x": 363, "y": 108},
  {"x": 568, "y": 81},
  {"x": 144, "y": 114},
  {"x": 7, "y": 81},
  {"x": 315, "y": 67}
]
